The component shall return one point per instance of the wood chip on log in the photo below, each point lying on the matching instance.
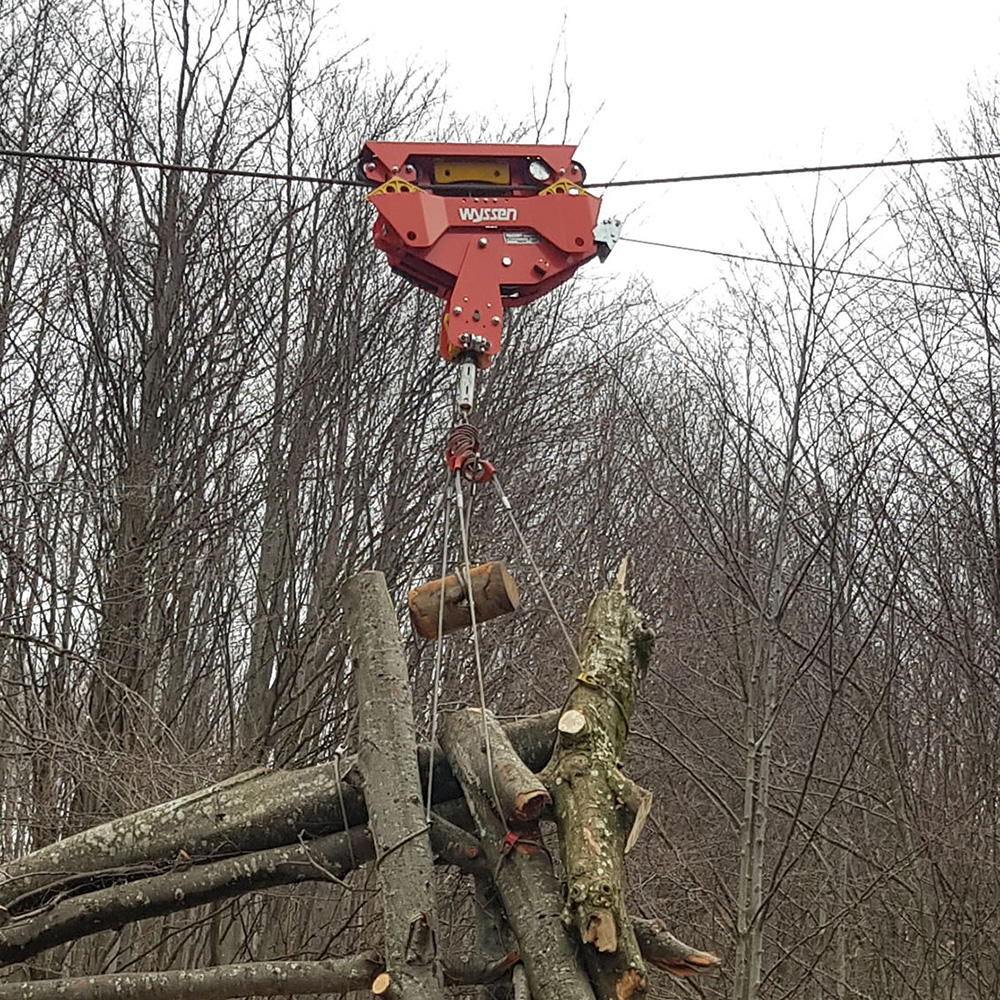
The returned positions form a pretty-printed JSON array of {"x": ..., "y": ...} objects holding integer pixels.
[{"x": 637, "y": 800}]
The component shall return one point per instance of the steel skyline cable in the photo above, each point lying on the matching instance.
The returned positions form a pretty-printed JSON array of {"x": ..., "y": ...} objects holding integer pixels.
[
  {"x": 790, "y": 171},
  {"x": 913, "y": 283},
  {"x": 83, "y": 158},
  {"x": 116, "y": 161},
  {"x": 29, "y": 154}
]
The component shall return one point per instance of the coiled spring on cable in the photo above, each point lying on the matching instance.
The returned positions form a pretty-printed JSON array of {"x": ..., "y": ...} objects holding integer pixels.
[{"x": 461, "y": 454}]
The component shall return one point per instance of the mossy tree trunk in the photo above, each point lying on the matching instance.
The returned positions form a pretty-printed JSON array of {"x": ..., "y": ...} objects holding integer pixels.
[{"x": 597, "y": 806}]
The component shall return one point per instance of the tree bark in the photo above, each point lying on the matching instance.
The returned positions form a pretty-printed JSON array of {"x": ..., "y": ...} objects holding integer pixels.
[
  {"x": 481, "y": 972},
  {"x": 531, "y": 894},
  {"x": 591, "y": 793},
  {"x": 388, "y": 762},
  {"x": 519, "y": 980}
]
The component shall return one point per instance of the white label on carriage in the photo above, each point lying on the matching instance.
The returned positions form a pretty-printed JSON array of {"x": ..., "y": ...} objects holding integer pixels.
[{"x": 520, "y": 239}]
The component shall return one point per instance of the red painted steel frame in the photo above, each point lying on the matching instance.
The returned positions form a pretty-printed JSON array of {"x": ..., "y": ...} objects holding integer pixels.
[{"x": 482, "y": 247}]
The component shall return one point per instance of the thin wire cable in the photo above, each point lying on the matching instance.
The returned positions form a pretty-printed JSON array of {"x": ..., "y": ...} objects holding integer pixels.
[
  {"x": 115, "y": 161},
  {"x": 436, "y": 676},
  {"x": 425, "y": 541},
  {"x": 506, "y": 504},
  {"x": 791, "y": 171},
  {"x": 31, "y": 154},
  {"x": 475, "y": 644},
  {"x": 343, "y": 810},
  {"x": 794, "y": 264}
]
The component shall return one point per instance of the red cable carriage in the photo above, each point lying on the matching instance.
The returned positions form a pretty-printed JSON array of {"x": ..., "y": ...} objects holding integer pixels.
[{"x": 485, "y": 227}]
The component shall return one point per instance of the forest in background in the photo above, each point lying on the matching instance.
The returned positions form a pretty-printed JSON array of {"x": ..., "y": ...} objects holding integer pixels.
[{"x": 216, "y": 403}]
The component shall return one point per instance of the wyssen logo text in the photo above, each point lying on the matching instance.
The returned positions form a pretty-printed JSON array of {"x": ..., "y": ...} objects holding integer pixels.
[{"x": 487, "y": 214}]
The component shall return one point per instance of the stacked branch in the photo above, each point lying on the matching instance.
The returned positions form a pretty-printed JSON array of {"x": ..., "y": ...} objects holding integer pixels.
[{"x": 233, "y": 819}]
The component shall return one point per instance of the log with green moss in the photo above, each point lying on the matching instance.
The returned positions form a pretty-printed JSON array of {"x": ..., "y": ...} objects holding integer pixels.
[{"x": 597, "y": 807}]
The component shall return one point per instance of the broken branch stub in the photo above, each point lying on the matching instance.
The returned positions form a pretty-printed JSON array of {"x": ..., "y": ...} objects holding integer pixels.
[
  {"x": 493, "y": 590},
  {"x": 666, "y": 952}
]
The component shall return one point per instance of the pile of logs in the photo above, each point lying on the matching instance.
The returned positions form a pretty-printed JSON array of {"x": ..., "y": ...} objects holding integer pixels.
[{"x": 570, "y": 936}]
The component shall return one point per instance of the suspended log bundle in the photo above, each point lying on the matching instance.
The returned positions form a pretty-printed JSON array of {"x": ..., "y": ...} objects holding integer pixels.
[{"x": 564, "y": 930}]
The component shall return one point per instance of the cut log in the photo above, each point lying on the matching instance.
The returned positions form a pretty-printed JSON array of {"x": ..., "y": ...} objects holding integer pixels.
[
  {"x": 596, "y": 806},
  {"x": 330, "y": 857},
  {"x": 531, "y": 894},
  {"x": 256, "y": 979},
  {"x": 522, "y": 794},
  {"x": 74, "y": 917},
  {"x": 493, "y": 590},
  {"x": 387, "y": 759},
  {"x": 572, "y": 722}
]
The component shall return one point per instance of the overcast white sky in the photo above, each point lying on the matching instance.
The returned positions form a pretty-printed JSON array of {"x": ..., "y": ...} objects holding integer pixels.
[{"x": 675, "y": 88}]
